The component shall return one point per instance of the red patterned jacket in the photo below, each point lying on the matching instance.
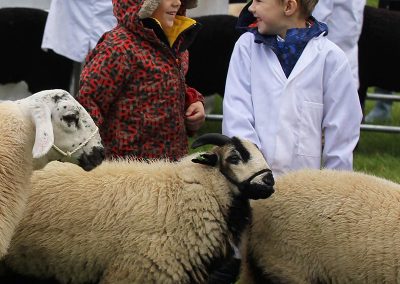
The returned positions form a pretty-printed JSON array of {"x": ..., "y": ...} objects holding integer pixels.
[{"x": 133, "y": 85}]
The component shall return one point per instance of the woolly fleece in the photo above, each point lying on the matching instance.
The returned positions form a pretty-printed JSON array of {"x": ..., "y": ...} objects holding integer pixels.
[
  {"x": 16, "y": 142},
  {"x": 327, "y": 227},
  {"x": 127, "y": 221}
]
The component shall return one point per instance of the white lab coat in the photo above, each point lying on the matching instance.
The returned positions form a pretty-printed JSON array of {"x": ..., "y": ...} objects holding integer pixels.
[
  {"x": 73, "y": 27},
  {"x": 344, "y": 19},
  {"x": 285, "y": 117}
]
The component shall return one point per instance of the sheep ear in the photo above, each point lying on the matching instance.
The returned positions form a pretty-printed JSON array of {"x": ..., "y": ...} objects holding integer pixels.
[
  {"x": 206, "y": 159},
  {"x": 44, "y": 137}
]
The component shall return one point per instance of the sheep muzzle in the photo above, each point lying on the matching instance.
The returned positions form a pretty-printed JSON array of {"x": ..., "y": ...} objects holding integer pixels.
[
  {"x": 89, "y": 162},
  {"x": 256, "y": 190}
]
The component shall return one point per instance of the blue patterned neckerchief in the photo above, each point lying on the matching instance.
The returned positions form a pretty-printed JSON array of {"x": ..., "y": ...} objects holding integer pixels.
[{"x": 289, "y": 50}]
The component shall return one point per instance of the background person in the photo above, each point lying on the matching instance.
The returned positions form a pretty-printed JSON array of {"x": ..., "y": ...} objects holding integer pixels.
[{"x": 344, "y": 19}]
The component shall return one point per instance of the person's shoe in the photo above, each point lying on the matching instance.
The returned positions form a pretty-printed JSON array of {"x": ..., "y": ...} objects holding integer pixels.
[{"x": 382, "y": 112}]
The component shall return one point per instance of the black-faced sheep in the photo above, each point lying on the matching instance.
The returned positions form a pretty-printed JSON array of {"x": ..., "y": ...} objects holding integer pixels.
[
  {"x": 325, "y": 227},
  {"x": 141, "y": 222},
  {"x": 379, "y": 44},
  {"x": 21, "y": 56},
  {"x": 34, "y": 131}
]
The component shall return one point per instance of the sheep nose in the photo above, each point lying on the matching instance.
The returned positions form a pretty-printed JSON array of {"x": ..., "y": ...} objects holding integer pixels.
[{"x": 268, "y": 179}]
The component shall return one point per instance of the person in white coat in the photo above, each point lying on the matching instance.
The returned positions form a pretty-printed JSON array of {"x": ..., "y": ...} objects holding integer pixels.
[
  {"x": 288, "y": 86},
  {"x": 73, "y": 27},
  {"x": 344, "y": 19}
]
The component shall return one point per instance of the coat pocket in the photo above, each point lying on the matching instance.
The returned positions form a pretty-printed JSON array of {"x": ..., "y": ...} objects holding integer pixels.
[{"x": 310, "y": 129}]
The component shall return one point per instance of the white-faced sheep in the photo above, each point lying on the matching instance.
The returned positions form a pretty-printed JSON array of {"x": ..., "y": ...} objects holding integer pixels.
[
  {"x": 21, "y": 56},
  {"x": 141, "y": 222},
  {"x": 325, "y": 227},
  {"x": 49, "y": 125}
]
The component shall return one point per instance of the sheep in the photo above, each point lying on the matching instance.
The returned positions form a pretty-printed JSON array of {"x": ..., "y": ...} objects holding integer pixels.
[
  {"x": 210, "y": 53},
  {"x": 131, "y": 221},
  {"x": 378, "y": 46},
  {"x": 325, "y": 227},
  {"x": 21, "y": 56},
  {"x": 64, "y": 131}
]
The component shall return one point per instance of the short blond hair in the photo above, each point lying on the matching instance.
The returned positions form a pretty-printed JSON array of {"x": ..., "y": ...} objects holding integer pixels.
[{"x": 306, "y": 6}]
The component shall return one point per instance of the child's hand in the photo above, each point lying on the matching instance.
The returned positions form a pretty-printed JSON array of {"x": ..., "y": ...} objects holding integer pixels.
[{"x": 195, "y": 116}]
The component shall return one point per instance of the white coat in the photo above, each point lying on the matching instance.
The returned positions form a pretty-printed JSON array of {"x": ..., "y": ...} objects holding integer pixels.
[
  {"x": 285, "y": 117},
  {"x": 73, "y": 27},
  {"x": 344, "y": 19}
]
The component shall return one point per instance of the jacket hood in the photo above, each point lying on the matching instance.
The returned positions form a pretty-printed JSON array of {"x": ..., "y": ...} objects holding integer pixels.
[{"x": 128, "y": 12}]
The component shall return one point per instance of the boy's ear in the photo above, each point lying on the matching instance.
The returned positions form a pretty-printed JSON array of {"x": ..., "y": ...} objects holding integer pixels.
[
  {"x": 291, "y": 7},
  {"x": 207, "y": 159}
]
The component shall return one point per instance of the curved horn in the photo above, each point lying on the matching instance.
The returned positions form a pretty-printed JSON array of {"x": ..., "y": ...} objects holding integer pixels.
[{"x": 211, "y": 138}]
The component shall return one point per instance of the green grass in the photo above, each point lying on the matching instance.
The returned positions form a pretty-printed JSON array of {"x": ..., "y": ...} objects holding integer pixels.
[{"x": 379, "y": 153}]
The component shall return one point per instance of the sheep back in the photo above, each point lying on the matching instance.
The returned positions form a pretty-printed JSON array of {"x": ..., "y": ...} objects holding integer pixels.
[
  {"x": 123, "y": 222},
  {"x": 16, "y": 142},
  {"x": 325, "y": 227}
]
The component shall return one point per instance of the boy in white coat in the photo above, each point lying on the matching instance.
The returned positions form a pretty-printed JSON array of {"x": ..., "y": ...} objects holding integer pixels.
[{"x": 288, "y": 85}]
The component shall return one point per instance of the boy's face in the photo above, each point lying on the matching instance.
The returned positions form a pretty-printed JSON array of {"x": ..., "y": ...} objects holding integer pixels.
[
  {"x": 270, "y": 16},
  {"x": 166, "y": 12}
]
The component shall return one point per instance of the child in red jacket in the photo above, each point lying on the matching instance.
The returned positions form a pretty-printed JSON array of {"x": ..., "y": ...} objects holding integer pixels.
[{"x": 133, "y": 81}]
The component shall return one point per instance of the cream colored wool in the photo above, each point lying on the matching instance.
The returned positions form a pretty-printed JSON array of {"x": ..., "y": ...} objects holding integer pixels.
[
  {"x": 16, "y": 140},
  {"x": 27, "y": 134},
  {"x": 149, "y": 6},
  {"x": 128, "y": 221},
  {"x": 327, "y": 227}
]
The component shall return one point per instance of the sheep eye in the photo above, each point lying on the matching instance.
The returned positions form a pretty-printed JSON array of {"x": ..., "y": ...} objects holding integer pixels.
[
  {"x": 71, "y": 118},
  {"x": 233, "y": 159}
]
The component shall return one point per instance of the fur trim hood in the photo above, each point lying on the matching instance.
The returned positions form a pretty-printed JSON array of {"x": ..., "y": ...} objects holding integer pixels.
[
  {"x": 128, "y": 12},
  {"x": 149, "y": 6}
]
